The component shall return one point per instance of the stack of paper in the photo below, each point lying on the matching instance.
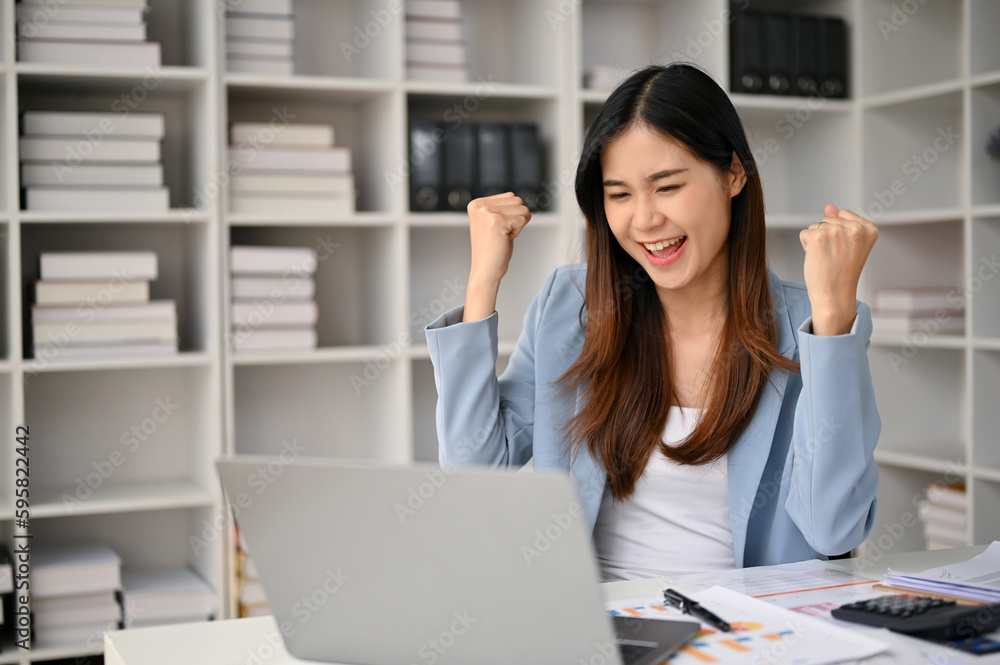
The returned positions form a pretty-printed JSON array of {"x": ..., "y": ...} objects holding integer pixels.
[
  {"x": 92, "y": 161},
  {"x": 435, "y": 48},
  {"x": 975, "y": 579},
  {"x": 73, "y": 592},
  {"x": 90, "y": 304},
  {"x": 944, "y": 514},
  {"x": 260, "y": 36},
  {"x": 287, "y": 169},
  {"x": 85, "y": 32},
  {"x": 160, "y": 596},
  {"x": 273, "y": 305},
  {"x": 931, "y": 311}
]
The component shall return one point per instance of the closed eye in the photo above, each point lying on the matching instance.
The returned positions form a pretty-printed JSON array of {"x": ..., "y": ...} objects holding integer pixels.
[
  {"x": 617, "y": 195},
  {"x": 668, "y": 188}
]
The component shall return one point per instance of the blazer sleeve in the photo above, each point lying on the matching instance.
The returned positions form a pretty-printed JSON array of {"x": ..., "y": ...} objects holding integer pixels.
[
  {"x": 482, "y": 419},
  {"x": 834, "y": 477}
]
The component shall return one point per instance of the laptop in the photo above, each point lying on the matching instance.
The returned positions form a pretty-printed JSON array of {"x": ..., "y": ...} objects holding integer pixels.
[{"x": 381, "y": 564}]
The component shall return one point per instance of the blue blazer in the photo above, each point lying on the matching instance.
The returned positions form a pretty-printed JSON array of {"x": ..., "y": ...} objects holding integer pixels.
[{"x": 802, "y": 476}]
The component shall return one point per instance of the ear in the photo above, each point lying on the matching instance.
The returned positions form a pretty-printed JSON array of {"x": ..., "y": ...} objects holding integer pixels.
[{"x": 736, "y": 176}]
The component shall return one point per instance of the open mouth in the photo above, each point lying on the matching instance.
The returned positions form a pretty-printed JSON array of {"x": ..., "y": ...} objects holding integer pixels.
[{"x": 664, "y": 249}]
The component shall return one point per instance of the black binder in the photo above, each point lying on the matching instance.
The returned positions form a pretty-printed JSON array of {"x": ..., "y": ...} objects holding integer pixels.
[
  {"x": 426, "y": 155},
  {"x": 833, "y": 57},
  {"x": 459, "y": 165},
  {"x": 493, "y": 160},
  {"x": 778, "y": 54},
  {"x": 526, "y": 163},
  {"x": 805, "y": 55},
  {"x": 746, "y": 53}
]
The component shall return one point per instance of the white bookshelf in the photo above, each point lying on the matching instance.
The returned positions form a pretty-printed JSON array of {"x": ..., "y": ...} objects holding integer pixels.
[{"x": 388, "y": 271}]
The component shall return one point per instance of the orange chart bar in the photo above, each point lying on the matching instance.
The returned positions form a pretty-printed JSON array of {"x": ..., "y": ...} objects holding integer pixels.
[
  {"x": 734, "y": 645},
  {"x": 699, "y": 654}
]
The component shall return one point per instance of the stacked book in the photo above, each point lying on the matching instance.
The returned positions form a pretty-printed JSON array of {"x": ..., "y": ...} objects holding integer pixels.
[
  {"x": 90, "y": 304},
  {"x": 85, "y": 32},
  {"x": 92, "y": 161},
  {"x": 6, "y": 583},
  {"x": 161, "y": 596},
  {"x": 73, "y": 593},
  {"x": 274, "y": 305},
  {"x": 931, "y": 311},
  {"x": 252, "y": 601},
  {"x": 260, "y": 36},
  {"x": 289, "y": 169},
  {"x": 944, "y": 515},
  {"x": 435, "y": 49}
]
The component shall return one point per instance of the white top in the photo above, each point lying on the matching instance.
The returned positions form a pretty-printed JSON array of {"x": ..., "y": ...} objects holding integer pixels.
[{"x": 677, "y": 521}]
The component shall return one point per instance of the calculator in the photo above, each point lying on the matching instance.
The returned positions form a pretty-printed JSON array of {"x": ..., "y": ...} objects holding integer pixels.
[{"x": 920, "y": 616}]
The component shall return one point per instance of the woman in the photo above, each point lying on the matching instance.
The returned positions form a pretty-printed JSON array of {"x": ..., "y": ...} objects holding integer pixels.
[{"x": 712, "y": 415}]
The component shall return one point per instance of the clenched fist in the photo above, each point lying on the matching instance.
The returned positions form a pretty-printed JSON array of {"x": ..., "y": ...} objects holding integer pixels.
[
  {"x": 494, "y": 222},
  {"x": 836, "y": 250}
]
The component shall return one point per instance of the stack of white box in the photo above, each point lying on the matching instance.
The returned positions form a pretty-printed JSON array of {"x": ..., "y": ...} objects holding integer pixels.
[
  {"x": 435, "y": 49},
  {"x": 260, "y": 37}
]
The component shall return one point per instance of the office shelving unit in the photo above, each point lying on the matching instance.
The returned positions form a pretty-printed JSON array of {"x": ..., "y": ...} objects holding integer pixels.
[{"x": 367, "y": 391}]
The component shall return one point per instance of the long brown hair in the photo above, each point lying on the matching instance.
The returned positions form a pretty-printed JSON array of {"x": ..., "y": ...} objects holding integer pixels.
[{"x": 624, "y": 368}]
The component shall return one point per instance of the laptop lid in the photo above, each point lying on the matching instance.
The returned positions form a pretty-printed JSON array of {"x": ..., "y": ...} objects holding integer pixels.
[{"x": 366, "y": 562}]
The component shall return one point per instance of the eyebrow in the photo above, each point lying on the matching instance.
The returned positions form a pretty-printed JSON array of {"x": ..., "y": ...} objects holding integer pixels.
[{"x": 653, "y": 178}]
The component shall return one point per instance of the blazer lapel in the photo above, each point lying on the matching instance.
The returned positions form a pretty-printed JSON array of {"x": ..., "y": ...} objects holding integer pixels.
[{"x": 748, "y": 457}]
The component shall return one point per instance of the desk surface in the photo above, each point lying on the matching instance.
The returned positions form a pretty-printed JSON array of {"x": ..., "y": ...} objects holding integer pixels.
[{"x": 257, "y": 640}]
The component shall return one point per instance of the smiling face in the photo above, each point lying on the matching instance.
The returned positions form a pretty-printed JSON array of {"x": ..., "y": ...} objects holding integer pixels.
[{"x": 669, "y": 210}]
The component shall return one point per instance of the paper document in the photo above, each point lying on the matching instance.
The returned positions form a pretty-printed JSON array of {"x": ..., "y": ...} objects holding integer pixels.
[
  {"x": 978, "y": 578},
  {"x": 762, "y": 633},
  {"x": 811, "y": 587}
]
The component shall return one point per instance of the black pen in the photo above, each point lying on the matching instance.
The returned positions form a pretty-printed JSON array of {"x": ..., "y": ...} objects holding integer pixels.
[{"x": 688, "y": 606}]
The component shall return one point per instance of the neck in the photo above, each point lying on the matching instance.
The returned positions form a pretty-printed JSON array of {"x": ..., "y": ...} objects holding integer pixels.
[{"x": 700, "y": 306}]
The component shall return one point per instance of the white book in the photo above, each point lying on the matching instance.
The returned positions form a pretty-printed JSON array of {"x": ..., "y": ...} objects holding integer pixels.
[
  {"x": 57, "y": 351},
  {"x": 948, "y": 517},
  {"x": 280, "y": 158},
  {"x": 264, "y": 314},
  {"x": 70, "y": 123},
  {"x": 275, "y": 288},
  {"x": 72, "y": 636},
  {"x": 71, "y": 568},
  {"x": 97, "y": 198},
  {"x": 165, "y": 593},
  {"x": 259, "y": 6},
  {"x": 90, "y": 293},
  {"x": 61, "y": 11},
  {"x": 264, "y": 260},
  {"x": 298, "y": 133},
  {"x": 79, "y": 601},
  {"x": 155, "y": 309},
  {"x": 949, "y": 496},
  {"x": 449, "y": 30},
  {"x": 416, "y": 71},
  {"x": 89, "y": 54},
  {"x": 74, "y": 149},
  {"x": 263, "y": 183},
  {"x": 444, "y": 53},
  {"x": 6, "y": 582},
  {"x": 434, "y": 8},
  {"x": 917, "y": 300},
  {"x": 111, "y": 266},
  {"x": 275, "y": 339},
  {"x": 248, "y": 64},
  {"x": 946, "y": 534},
  {"x": 107, "y": 610},
  {"x": 269, "y": 27},
  {"x": 135, "y": 4},
  {"x": 126, "y": 330},
  {"x": 172, "y": 621},
  {"x": 926, "y": 322},
  {"x": 125, "y": 175},
  {"x": 84, "y": 30},
  {"x": 284, "y": 48},
  {"x": 291, "y": 206}
]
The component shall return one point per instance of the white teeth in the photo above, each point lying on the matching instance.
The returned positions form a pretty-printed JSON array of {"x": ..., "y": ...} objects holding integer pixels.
[{"x": 660, "y": 245}]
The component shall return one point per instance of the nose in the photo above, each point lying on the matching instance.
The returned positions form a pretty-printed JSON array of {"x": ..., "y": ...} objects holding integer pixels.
[{"x": 645, "y": 215}]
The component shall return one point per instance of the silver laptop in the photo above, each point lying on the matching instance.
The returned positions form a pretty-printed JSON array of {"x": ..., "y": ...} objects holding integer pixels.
[{"x": 371, "y": 563}]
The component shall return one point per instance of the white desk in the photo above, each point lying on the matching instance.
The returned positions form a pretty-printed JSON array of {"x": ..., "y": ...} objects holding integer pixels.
[{"x": 257, "y": 641}]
